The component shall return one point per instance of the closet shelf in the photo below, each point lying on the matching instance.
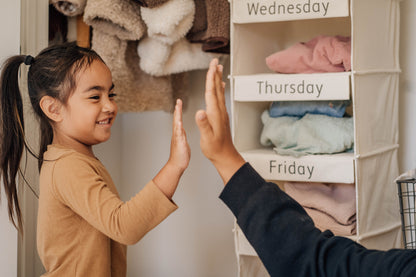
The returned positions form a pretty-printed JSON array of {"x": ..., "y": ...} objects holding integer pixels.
[
  {"x": 292, "y": 87},
  {"x": 329, "y": 168},
  {"x": 251, "y": 11}
]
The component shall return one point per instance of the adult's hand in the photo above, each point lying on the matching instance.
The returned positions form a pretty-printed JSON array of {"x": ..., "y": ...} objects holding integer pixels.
[{"x": 214, "y": 126}]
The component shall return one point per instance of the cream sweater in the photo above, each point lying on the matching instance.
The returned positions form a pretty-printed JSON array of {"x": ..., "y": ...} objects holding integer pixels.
[{"x": 83, "y": 226}]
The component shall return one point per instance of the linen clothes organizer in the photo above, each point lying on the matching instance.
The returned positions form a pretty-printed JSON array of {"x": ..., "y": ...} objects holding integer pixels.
[{"x": 259, "y": 29}]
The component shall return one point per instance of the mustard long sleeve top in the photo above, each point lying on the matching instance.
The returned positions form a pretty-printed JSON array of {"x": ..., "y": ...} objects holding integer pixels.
[{"x": 83, "y": 226}]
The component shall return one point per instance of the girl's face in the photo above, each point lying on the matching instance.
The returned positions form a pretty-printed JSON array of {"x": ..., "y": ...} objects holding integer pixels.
[{"x": 91, "y": 110}]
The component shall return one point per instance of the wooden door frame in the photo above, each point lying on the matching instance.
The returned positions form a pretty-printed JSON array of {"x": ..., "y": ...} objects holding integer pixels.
[{"x": 33, "y": 38}]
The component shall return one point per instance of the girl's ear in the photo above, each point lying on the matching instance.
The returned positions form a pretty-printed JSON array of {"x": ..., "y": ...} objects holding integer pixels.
[{"x": 51, "y": 107}]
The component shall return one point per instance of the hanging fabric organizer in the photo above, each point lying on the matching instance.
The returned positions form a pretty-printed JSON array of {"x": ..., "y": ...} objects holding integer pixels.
[{"x": 261, "y": 28}]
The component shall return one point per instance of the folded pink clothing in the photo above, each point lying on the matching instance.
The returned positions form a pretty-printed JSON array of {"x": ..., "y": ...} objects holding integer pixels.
[
  {"x": 333, "y": 199},
  {"x": 324, "y": 222},
  {"x": 320, "y": 54}
]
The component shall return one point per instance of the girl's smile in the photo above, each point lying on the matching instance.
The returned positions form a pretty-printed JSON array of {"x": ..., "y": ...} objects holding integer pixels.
[{"x": 105, "y": 122}]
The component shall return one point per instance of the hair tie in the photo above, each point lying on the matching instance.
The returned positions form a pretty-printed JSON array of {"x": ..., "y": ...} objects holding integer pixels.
[{"x": 29, "y": 60}]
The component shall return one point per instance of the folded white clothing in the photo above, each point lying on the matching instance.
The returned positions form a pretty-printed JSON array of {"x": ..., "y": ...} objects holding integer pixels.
[
  {"x": 170, "y": 21},
  {"x": 160, "y": 59},
  {"x": 136, "y": 90}
]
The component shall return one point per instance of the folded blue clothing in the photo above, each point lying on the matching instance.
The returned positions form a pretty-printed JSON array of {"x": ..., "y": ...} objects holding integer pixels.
[
  {"x": 300, "y": 108},
  {"x": 310, "y": 134}
]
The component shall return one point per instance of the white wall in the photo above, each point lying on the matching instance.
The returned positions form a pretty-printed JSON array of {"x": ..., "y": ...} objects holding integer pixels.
[{"x": 10, "y": 42}]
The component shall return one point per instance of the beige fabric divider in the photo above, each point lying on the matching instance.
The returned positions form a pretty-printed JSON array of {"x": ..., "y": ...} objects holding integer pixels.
[
  {"x": 377, "y": 200},
  {"x": 376, "y": 114},
  {"x": 375, "y": 34},
  {"x": 375, "y": 83}
]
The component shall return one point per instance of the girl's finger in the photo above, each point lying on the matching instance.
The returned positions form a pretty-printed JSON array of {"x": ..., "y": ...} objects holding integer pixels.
[
  {"x": 177, "y": 117},
  {"x": 178, "y": 109}
]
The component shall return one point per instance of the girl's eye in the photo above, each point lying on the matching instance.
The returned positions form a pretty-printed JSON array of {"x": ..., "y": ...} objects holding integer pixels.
[
  {"x": 112, "y": 95},
  {"x": 95, "y": 97}
]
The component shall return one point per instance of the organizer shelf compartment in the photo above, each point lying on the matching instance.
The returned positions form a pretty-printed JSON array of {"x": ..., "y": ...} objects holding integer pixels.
[
  {"x": 247, "y": 11},
  {"x": 252, "y": 43},
  {"x": 292, "y": 87},
  {"x": 334, "y": 168}
]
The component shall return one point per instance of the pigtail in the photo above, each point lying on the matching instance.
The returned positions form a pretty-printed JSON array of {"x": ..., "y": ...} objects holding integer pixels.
[{"x": 12, "y": 135}]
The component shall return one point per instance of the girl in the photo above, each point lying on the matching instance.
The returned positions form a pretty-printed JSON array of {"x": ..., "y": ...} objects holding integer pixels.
[{"x": 83, "y": 226}]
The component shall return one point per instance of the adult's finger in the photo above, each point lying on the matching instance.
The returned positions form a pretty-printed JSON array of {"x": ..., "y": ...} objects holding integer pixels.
[
  {"x": 203, "y": 124},
  {"x": 210, "y": 88},
  {"x": 219, "y": 85}
]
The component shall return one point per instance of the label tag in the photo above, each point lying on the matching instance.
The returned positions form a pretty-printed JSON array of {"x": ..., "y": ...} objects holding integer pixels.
[
  {"x": 292, "y": 87},
  {"x": 280, "y": 10}
]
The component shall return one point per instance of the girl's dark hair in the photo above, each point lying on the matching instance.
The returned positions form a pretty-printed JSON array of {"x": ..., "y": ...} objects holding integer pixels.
[{"x": 52, "y": 72}]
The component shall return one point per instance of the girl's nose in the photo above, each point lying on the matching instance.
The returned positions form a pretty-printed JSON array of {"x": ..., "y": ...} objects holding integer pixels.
[{"x": 109, "y": 106}]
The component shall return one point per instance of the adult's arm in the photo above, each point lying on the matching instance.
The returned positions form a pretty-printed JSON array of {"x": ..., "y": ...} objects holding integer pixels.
[{"x": 287, "y": 242}]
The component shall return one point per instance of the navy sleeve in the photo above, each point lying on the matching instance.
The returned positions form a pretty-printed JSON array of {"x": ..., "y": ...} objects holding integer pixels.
[{"x": 288, "y": 243}]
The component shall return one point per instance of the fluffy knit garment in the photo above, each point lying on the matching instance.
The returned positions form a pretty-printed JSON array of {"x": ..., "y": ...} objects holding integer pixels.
[
  {"x": 115, "y": 17},
  {"x": 169, "y": 22},
  {"x": 166, "y": 51},
  {"x": 211, "y": 25},
  {"x": 160, "y": 59},
  {"x": 199, "y": 25},
  {"x": 69, "y": 7},
  {"x": 137, "y": 91}
]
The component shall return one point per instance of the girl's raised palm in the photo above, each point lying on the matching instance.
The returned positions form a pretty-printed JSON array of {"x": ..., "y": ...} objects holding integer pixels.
[{"x": 180, "y": 152}]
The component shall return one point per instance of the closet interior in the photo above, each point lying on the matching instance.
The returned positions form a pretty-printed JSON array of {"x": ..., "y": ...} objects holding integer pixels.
[{"x": 314, "y": 95}]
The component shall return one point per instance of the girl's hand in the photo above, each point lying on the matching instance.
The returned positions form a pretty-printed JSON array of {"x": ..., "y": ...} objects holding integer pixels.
[{"x": 180, "y": 152}]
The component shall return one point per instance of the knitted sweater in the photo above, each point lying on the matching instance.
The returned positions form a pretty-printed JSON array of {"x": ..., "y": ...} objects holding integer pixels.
[
  {"x": 288, "y": 243},
  {"x": 83, "y": 226}
]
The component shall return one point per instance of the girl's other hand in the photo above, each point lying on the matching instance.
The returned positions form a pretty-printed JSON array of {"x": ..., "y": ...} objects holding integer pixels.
[{"x": 180, "y": 153}]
